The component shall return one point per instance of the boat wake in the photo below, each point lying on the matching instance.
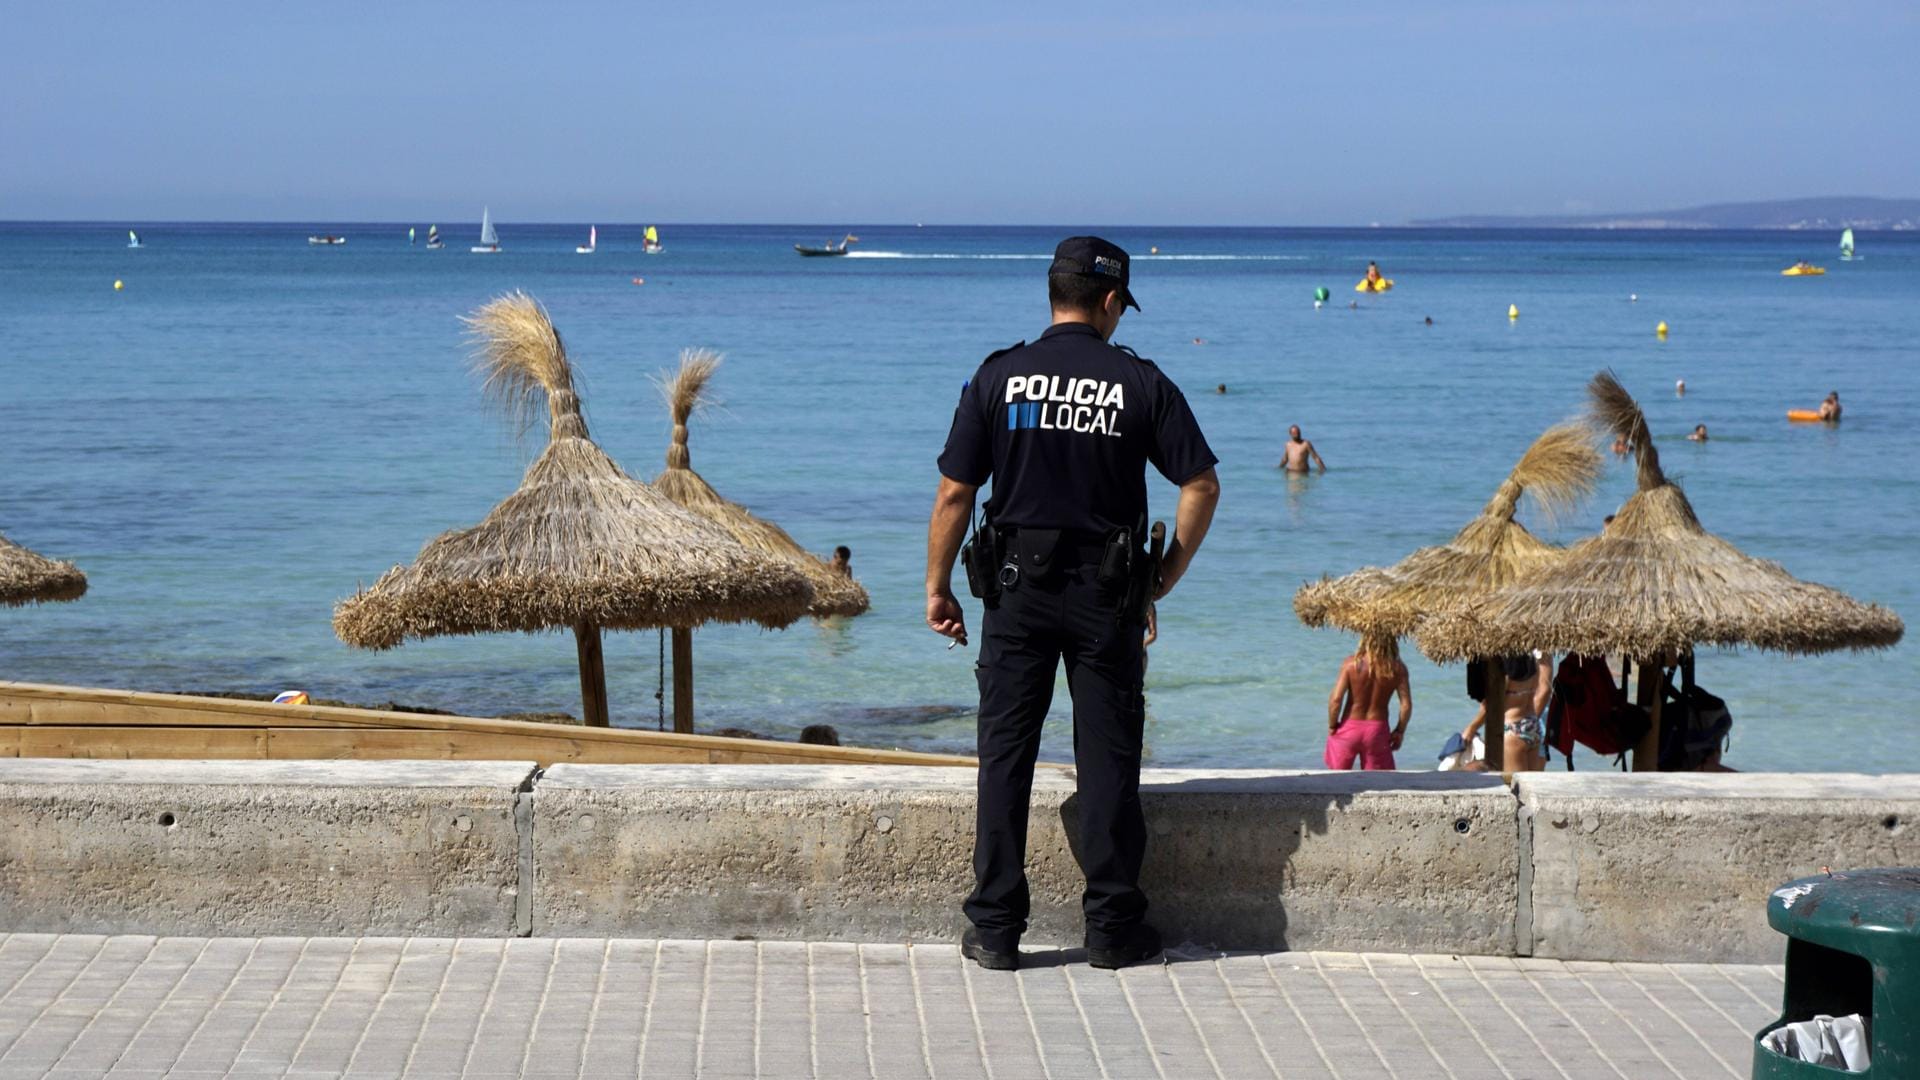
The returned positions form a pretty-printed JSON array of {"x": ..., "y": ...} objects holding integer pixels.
[{"x": 1136, "y": 258}]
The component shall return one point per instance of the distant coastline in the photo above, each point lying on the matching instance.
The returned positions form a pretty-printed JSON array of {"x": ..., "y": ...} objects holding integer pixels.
[{"x": 1825, "y": 212}]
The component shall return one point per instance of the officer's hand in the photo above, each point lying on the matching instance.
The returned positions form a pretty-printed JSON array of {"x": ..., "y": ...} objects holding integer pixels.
[{"x": 945, "y": 618}]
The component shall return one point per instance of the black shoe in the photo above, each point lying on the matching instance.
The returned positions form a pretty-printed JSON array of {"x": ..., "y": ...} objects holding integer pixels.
[
  {"x": 976, "y": 950},
  {"x": 1141, "y": 943}
]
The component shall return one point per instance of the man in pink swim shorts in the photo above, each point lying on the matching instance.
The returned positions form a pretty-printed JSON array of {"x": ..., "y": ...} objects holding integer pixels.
[{"x": 1357, "y": 708}]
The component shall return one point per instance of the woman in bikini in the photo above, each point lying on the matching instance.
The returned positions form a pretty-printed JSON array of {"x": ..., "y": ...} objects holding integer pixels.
[
  {"x": 1357, "y": 709},
  {"x": 1529, "y": 685}
]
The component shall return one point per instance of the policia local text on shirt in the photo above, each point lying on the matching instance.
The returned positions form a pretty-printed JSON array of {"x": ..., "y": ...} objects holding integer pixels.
[{"x": 1065, "y": 428}]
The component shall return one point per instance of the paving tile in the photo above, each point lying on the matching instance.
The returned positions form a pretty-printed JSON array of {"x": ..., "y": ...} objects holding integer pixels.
[{"x": 81, "y": 1005}]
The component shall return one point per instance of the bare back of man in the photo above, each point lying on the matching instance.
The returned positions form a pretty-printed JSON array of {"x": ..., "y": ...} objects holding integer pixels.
[{"x": 1369, "y": 692}]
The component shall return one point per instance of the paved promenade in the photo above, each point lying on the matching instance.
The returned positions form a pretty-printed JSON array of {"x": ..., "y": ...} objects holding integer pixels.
[{"x": 86, "y": 1006}]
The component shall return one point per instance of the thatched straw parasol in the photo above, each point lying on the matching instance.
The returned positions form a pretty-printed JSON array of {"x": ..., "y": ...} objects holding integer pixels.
[
  {"x": 29, "y": 578},
  {"x": 1492, "y": 550},
  {"x": 580, "y": 544},
  {"x": 834, "y": 593},
  {"x": 1653, "y": 586}
]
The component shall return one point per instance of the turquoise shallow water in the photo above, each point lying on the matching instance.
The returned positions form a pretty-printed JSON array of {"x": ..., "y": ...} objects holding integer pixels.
[{"x": 254, "y": 426}]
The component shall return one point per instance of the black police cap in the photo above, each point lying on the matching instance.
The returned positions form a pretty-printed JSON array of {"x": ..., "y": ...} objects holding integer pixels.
[{"x": 1090, "y": 256}]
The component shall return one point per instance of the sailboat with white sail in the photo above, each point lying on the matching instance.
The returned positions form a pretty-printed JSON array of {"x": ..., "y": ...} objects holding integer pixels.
[
  {"x": 489, "y": 240},
  {"x": 1846, "y": 243},
  {"x": 133, "y": 238},
  {"x": 652, "y": 245},
  {"x": 593, "y": 241},
  {"x": 409, "y": 236},
  {"x": 434, "y": 242}
]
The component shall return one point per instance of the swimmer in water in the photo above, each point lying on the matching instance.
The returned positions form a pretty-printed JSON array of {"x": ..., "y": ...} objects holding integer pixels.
[
  {"x": 1429, "y": 320},
  {"x": 1373, "y": 273},
  {"x": 1679, "y": 388},
  {"x": 842, "y": 563},
  {"x": 1298, "y": 451},
  {"x": 1199, "y": 341},
  {"x": 1830, "y": 408},
  {"x": 1699, "y": 433},
  {"x": 1221, "y": 389}
]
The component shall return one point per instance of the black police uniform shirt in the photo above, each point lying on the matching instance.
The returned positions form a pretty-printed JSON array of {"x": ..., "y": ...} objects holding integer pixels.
[{"x": 1065, "y": 428}]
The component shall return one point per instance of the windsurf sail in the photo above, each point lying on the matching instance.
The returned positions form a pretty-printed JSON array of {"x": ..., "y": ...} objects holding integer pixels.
[
  {"x": 433, "y": 234},
  {"x": 1846, "y": 243},
  {"x": 593, "y": 236},
  {"x": 487, "y": 235},
  {"x": 653, "y": 235},
  {"x": 133, "y": 238},
  {"x": 409, "y": 236}
]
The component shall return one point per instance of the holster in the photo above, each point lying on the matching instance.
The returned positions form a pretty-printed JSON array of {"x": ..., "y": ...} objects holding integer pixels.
[
  {"x": 1142, "y": 575},
  {"x": 981, "y": 556}
]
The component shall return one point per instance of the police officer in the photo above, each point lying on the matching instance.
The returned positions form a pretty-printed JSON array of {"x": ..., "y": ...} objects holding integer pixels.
[{"x": 1065, "y": 428}]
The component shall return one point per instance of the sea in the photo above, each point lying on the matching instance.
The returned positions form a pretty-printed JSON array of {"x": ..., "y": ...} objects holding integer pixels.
[{"x": 230, "y": 430}]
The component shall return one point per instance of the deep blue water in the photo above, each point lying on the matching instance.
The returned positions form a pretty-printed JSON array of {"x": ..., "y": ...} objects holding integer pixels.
[{"x": 252, "y": 426}]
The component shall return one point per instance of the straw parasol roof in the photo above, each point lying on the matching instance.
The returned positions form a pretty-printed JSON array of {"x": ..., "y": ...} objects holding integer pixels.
[
  {"x": 28, "y": 578},
  {"x": 1656, "y": 584},
  {"x": 834, "y": 593},
  {"x": 579, "y": 543},
  {"x": 1492, "y": 550}
]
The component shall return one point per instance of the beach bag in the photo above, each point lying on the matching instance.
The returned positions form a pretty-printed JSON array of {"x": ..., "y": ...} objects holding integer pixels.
[
  {"x": 1693, "y": 724},
  {"x": 1588, "y": 709}
]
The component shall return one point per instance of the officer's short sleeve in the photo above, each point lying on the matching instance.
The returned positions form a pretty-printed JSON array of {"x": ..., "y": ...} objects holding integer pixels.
[
  {"x": 968, "y": 457},
  {"x": 1179, "y": 451}
]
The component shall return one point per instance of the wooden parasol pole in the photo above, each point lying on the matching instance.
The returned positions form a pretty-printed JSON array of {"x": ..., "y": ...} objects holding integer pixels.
[
  {"x": 593, "y": 675},
  {"x": 1494, "y": 731},
  {"x": 683, "y": 680},
  {"x": 1652, "y": 688}
]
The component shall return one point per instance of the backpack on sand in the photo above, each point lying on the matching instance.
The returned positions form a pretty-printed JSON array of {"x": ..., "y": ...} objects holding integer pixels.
[
  {"x": 1588, "y": 709},
  {"x": 1693, "y": 724}
]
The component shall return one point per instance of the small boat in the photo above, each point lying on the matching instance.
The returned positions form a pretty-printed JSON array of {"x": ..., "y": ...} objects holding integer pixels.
[
  {"x": 1379, "y": 285},
  {"x": 489, "y": 240},
  {"x": 1846, "y": 243},
  {"x": 133, "y": 238},
  {"x": 434, "y": 242},
  {"x": 829, "y": 249},
  {"x": 1801, "y": 269},
  {"x": 328, "y": 240},
  {"x": 651, "y": 243},
  {"x": 593, "y": 241}
]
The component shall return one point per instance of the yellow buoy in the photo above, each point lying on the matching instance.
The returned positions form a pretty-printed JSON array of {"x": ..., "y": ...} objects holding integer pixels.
[
  {"x": 117, "y": 283},
  {"x": 1660, "y": 330},
  {"x": 1513, "y": 311}
]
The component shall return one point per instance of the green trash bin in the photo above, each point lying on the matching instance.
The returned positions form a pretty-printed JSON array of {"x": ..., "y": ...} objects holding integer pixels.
[{"x": 1853, "y": 946}]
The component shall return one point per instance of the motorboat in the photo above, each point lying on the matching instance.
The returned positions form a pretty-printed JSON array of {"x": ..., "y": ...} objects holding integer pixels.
[
  {"x": 830, "y": 249},
  {"x": 328, "y": 240}
]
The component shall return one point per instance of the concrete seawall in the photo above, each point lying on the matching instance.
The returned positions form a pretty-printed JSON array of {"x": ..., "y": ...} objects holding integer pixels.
[
  {"x": 1571, "y": 866},
  {"x": 1417, "y": 862},
  {"x": 246, "y": 847}
]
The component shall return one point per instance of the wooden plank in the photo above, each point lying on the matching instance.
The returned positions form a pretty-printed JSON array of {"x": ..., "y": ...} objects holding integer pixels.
[
  {"x": 462, "y": 746},
  {"x": 141, "y": 743},
  {"x": 25, "y": 704}
]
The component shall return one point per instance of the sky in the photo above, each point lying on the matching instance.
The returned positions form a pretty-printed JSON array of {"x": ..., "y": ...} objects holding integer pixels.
[{"x": 1274, "y": 113}]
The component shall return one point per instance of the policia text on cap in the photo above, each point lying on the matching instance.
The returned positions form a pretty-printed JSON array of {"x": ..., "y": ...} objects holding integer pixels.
[{"x": 1065, "y": 428}]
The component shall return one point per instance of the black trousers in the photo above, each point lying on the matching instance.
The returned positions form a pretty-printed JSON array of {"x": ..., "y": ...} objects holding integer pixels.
[{"x": 1066, "y": 616}]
